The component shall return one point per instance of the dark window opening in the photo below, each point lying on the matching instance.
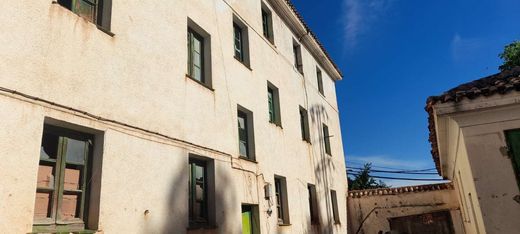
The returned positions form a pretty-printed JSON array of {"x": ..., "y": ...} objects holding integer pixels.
[
  {"x": 319, "y": 81},
  {"x": 304, "y": 125},
  {"x": 267, "y": 23},
  {"x": 326, "y": 139},
  {"x": 273, "y": 102},
  {"x": 282, "y": 209},
  {"x": 298, "y": 63},
  {"x": 313, "y": 204},
  {"x": 198, "y": 193},
  {"x": 335, "y": 211}
]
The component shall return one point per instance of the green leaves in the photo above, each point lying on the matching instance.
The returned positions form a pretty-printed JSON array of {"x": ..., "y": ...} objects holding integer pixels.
[
  {"x": 511, "y": 56},
  {"x": 363, "y": 180}
]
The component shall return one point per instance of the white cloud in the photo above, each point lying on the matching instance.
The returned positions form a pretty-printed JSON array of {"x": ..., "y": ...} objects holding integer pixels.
[{"x": 359, "y": 15}]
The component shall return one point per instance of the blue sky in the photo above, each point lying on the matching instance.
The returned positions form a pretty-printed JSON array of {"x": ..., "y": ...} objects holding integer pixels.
[{"x": 396, "y": 53}]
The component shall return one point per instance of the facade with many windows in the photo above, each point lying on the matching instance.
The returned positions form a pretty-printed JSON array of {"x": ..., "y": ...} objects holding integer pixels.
[{"x": 181, "y": 117}]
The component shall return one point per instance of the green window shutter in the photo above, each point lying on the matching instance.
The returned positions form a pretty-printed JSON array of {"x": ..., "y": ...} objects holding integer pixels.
[{"x": 513, "y": 140}]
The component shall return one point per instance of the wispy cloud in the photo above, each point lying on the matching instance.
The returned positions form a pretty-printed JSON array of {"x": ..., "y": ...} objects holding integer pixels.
[
  {"x": 387, "y": 161},
  {"x": 359, "y": 15},
  {"x": 465, "y": 47}
]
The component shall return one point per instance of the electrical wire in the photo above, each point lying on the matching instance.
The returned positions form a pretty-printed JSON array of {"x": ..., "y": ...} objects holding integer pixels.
[{"x": 405, "y": 178}]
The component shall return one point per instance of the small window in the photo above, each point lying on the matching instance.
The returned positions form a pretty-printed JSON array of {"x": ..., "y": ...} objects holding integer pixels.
[
  {"x": 95, "y": 11},
  {"x": 241, "y": 41},
  {"x": 319, "y": 80},
  {"x": 250, "y": 219},
  {"x": 273, "y": 102},
  {"x": 304, "y": 125},
  {"x": 267, "y": 23},
  {"x": 297, "y": 50},
  {"x": 326, "y": 139},
  {"x": 245, "y": 133},
  {"x": 201, "y": 180},
  {"x": 64, "y": 180},
  {"x": 313, "y": 204},
  {"x": 335, "y": 212},
  {"x": 282, "y": 209},
  {"x": 513, "y": 140},
  {"x": 199, "y": 54}
]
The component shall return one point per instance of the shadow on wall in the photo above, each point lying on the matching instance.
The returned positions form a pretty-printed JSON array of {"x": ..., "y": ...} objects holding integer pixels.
[
  {"x": 221, "y": 200},
  {"x": 323, "y": 166}
]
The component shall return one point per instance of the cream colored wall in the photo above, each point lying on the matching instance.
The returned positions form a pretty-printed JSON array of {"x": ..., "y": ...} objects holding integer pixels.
[
  {"x": 487, "y": 182},
  {"x": 386, "y": 207},
  {"x": 138, "y": 77}
]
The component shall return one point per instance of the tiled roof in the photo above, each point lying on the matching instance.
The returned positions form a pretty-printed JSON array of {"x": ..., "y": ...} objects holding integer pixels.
[
  {"x": 300, "y": 17},
  {"x": 399, "y": 190},
  {"x": 501, "y": 83}
]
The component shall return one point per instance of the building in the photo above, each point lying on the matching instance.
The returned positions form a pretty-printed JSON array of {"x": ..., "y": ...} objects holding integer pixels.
[
  {"x": 412, "y": 209},
  {"x": 167, "y": 117},
  {"x": 476, "y": 144}
]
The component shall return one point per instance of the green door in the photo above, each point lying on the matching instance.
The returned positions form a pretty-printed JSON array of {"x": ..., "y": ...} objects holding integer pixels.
[
  {"x": 247, "y": 220},
  {"x": 513, "y": 141}
]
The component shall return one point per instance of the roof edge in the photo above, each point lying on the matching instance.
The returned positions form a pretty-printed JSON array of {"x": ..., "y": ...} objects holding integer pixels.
[
  {"x": 290, "y": 15},
  {"x": 400, "y": 190}
]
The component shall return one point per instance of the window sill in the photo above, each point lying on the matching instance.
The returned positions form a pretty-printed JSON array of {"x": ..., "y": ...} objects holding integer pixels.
[
  {"x": 276, "y": 124},
  {"x": 247, "y": 159},
  {"x": 200, "y": 83},
  {"x": 307, "y": 141},
  {"x": 284, "y": 224},
  {"x": 243, "y": 63}
]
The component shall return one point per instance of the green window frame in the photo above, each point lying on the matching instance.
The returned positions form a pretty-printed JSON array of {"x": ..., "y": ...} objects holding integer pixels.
[
  {"x": 270, "y": 102},
  {"x": 198, "y": 193},
  {"x": 87, "y": 9},
  {"x": 279, "y": 200},
  {"x": 313, "y": 204},
  {"x": 326, "y": 139},
  {"x": 513, "y": 141},
  {"x": 243, "y": 134},
  {"x": 196, "y": 56},
  {"x": 304, "y": 125},
  {"x": 239, "y": 42},
  {"x": 63, "y": 183},
  {"x": 319, "y": 81},
  {"x": 298, "y": 63},
  {"x": 267, "y": 23}
]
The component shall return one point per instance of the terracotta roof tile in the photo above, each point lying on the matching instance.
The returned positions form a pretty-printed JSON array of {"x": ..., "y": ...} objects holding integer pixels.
[
  {"x": 400, "y": 190},
  {"x": 500, "y": 83}
]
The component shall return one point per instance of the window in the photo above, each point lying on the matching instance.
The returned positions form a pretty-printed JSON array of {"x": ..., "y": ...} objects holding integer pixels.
[
  {"x": 95, "y": 11},
  {"x": 273, "y": 101},
  {"x": 513, "y": 140},
  {"x": 201, "y": 191},
  {"x": 313, "y": 204},
  {"x": 199, "y": 54},
  {"x": 267, "y": 23},
  {"x": 282, "y": 209},
  {"x": 245, "y": 133},
  {"x": 335, "y": 212},
  {"x": 241, "y": 41},
  {"x": 304, "y": 125},
  {"x": 326, "y": 139},
  {"x": 319, "y": 80},
  {"x": 297, "y": 50},
  {"x": 64, "y": 180},
  {"x": 250, "y": 219}
]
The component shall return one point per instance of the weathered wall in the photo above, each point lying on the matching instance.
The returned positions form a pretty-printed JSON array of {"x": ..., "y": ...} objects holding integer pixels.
[
  {"x": 376, "y": 207},
  {"x": 478, "y": 165},
  {"x": 138, "y": 77}
]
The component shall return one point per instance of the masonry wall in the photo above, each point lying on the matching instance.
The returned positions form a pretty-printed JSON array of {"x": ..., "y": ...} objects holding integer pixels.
[
  {"x": 137, "y": 77},
  {"x": 377, "y": 209}
]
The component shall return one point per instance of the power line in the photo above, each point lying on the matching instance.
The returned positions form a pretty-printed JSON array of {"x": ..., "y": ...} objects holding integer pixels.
[
  {"x": 404, "y": 178},
  {"x": 375, "y": 166},
  {"x": 397, "y": 172}
]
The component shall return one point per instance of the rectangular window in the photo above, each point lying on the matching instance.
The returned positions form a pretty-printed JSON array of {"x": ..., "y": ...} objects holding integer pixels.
[
  {"x": 304, "y": 125},
  {"x": 335, "y": 212},
  {"x": 63, "y": 183},
  {"x": 273, "y": 102},
  {"x": 297, "y": 50},
  {"x": 282, "y": 209},
  {"x": 241, "y": 41},
  {"x": 313, "y": 204},
  {"x": 245, "y": 133},
  {"x": 319, "y": 80},
  {"x": 199, "y": 54},
  {"x": 267, "y": 23},
  {"x": 326, "y": 139},
  {"x": 95, "y": 11},
  {"x": 198, "y": 193},
  {"x": 513, "y": 141}
]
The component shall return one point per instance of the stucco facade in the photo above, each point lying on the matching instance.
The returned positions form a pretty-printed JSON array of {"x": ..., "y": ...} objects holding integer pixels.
[
  {"x": 473, "y": 152},
  {"x": 129, "y": 89},
  {"x": 371, "y": 211}
]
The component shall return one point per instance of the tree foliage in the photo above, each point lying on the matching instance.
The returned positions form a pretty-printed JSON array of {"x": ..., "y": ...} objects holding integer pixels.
[
  {"x": 511, "y": 56},
  {"x": 363, "y": 180}
]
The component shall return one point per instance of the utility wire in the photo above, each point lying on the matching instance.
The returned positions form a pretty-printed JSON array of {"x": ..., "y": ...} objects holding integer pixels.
[
  {"x": 403, "y": 178},
  {"x": 397, "y": 172},
  {"x": 375, "y": 166}
]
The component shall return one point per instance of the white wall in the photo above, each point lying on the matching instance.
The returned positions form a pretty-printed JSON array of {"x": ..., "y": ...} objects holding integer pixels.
[{"x": 138, "y": 77}]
